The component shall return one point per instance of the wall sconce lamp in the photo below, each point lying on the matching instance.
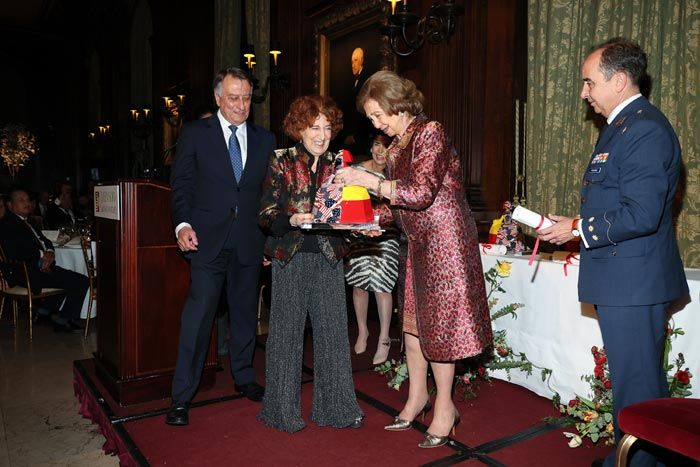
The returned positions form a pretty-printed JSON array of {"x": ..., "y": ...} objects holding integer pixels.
[
  {"x": 101, "y": 133},
  {"x": 275, "y": 80},
  {"x": 173, "y": 108},
  {"x": 140, "y": 115},
  {"x": 437, "y": 26},
  {"x": 141, "y": 121}
]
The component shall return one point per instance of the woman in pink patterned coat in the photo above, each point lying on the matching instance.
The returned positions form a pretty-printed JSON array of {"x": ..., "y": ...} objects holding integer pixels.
[{"x": 445, "y": 312}]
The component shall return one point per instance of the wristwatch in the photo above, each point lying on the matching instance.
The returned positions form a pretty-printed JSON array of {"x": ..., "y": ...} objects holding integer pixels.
[{"x": 574, "y": 228}]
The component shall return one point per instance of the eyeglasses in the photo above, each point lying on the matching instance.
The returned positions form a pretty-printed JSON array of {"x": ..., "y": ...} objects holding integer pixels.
[{"x": 245, "y": 100}]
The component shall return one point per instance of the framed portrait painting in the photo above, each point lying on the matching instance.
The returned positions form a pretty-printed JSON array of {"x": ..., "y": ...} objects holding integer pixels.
[{"x": 350, "y": 48}]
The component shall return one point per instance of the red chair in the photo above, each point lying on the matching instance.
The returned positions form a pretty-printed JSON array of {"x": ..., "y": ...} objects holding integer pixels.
[{"x": 671, "y": 423}]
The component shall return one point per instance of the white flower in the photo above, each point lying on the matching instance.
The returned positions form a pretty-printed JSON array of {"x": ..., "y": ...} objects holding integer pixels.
[{"x": 575, "y": 440}]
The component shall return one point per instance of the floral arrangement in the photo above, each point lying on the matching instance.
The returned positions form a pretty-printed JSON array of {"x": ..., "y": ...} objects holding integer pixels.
[
  {"x": 473, "y": 371},
  {"x": 503, "y": 356},
  {"x": 593, "y": 418},
  {"x": 16, "y": 146}
]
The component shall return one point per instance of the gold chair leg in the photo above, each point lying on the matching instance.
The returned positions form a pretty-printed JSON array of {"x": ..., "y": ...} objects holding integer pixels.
[
  {"x": 14, "y": 313},
  {"x": 623, "y": 449},
  {"x": 261, "y": 328},
  {"x": 31, "y": 321},
  {"x": 87, "y": 319}
]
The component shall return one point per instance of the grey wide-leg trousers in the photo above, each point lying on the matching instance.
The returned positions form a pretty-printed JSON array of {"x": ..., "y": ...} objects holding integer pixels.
[{"x": 308, "y": 285}]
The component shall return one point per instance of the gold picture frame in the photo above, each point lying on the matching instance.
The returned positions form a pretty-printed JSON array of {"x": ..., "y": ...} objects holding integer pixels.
[{"x": 348, "y": 34}]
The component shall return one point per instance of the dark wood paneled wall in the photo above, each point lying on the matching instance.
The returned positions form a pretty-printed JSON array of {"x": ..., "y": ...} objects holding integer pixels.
[{"x": 469, "y": 83}]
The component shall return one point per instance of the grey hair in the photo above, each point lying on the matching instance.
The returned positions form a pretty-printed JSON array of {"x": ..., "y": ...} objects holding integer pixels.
[{"x": 233, "y": 71}]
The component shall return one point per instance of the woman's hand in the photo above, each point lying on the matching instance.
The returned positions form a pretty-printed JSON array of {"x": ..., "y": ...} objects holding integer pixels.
[
  {"x": 371, "y": 233},
  {"x": 352, "y": 176},
  {"x": 301, "y": 218}
]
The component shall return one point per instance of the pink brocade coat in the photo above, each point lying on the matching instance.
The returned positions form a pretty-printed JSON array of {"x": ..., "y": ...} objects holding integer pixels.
[{"x": 445, "y": 281}]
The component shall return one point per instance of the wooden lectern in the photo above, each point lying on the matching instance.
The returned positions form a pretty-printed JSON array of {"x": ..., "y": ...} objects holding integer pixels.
[{"x": 142, "y": 282}]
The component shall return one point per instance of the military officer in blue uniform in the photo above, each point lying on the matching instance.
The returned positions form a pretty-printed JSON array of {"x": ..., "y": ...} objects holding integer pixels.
[{"x": 630, "y": 265}]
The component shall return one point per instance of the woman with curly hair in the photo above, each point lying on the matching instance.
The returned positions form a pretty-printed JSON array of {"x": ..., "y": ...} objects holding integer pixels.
[{"x": 307, "y": 278}]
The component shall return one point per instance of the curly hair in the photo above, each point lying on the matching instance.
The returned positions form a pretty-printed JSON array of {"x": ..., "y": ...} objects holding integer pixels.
[
  {"x": 304, "y": 111},
  {"x": 393, "y": 93}
]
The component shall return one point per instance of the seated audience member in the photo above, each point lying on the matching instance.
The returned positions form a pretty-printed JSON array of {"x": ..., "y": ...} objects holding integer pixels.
[
  {"x": 42, "y": 204},
  {"x": 21, "y": 242},
  {"x": 60, "y": 213},
  {"x": 85, "y": 207},
  {"x": 36, "y": 221}
]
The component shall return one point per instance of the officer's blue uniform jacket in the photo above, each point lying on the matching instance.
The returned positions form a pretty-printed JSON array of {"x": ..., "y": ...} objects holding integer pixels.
[{"x": 627, "y": 195}]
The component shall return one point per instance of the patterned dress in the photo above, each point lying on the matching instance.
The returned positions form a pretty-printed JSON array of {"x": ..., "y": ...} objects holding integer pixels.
[
  {"x": 443, "y": 300},
  {"x": 373, "y": 263}
]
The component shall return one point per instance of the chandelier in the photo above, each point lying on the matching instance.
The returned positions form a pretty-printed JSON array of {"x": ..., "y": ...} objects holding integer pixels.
[
  {"x": 16, "y": 146},
  {"x": 437, "y": 26}
]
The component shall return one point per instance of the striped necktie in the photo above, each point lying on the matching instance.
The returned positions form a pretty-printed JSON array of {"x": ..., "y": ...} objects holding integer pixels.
[{"x": 234, "y": 152}]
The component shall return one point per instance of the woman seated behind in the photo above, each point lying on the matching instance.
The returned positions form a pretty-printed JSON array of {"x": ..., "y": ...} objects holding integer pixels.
[
  {"x": 373, "y": 266},
  {"x": 307, "y": 278}
]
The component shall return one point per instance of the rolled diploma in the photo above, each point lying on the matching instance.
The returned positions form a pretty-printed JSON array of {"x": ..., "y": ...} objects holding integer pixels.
[{"x": 531, "y": 218}]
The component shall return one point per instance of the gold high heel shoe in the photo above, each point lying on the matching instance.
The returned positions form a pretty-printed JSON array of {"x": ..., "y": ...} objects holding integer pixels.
[
  {"x": 432, "y": 441},
  {"x": 399, "y": 424},
  {"x": 382, "y": 352},
  {"x": 361, "y": 345}
]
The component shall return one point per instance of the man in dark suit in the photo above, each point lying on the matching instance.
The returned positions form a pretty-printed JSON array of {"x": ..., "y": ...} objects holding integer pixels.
[
  {"x": 217, "y": 180},
  {"x": 60, "y": 213},
  {"x": 630, "y": 265},
  {"x": 21, "y": 242}
]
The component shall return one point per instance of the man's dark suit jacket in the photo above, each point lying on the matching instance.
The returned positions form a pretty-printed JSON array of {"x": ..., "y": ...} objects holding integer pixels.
[
  {"x": 57, "y": 218},
  {"x": 206, "y": 195},
  {"x": 626, "y": 212},
  {"x": 20, "y": 244}
]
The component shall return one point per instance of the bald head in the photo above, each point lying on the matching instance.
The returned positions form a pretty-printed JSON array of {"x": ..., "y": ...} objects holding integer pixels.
[{"x": 357, "y": 60}]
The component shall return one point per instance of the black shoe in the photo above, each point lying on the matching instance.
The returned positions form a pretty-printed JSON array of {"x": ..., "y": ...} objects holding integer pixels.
[
  {"x": 252, "y": 391},
  {"x": 598, "y": 463},
  {"x": 178, "y": 414},
  {"x": 358, "y": 422}
]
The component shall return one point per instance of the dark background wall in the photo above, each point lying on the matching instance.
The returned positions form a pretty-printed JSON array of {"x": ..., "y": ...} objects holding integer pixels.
[
  {"x": 470, "y": 84},
  {"x": 67, "y": 68}
]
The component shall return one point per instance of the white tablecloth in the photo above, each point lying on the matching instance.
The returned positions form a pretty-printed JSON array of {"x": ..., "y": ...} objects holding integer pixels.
[
  {"x": 70, "y": 256},
  {"x": 555, "y": 331}
]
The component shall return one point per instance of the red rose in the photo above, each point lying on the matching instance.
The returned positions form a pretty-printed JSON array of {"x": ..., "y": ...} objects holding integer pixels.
[
  {"x": 607, "y": 384},
  {"x": 594, "y": 350},
  {"x": 502, "y": 351},
  {"x": 574, "y": 403},
  {"x": 598, "y": 371},
  {"x": 683, "y": 377},
  {"x": 600, "y": 359},
  {"x": 481, "y": 370}
]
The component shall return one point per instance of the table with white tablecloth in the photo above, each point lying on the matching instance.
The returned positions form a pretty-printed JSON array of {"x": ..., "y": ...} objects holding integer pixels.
[
  {"x": 555, "y": 331},
  {"x": 70, "y": 256}
]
